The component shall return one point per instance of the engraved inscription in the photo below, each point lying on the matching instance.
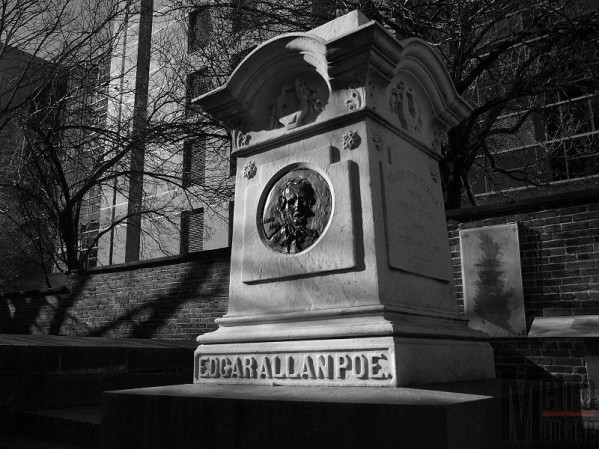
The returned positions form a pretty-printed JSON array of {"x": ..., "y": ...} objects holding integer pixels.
[
  {"x": 417, "y": 180},
  {"x": 418, "y": 247},
  {"x": 296, "y": 211},
  {"x": 334, "y": 367},
  {"x": 415, "y": 221}
]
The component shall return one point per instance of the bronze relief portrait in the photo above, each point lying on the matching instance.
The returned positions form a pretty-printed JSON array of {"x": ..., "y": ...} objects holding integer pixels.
[{"x": 296, "y": 211}]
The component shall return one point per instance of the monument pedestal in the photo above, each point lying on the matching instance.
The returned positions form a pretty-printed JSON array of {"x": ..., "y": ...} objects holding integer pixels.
[
  {"x": 340, "y": 269},
  {"x": 357, "y": 351},
  {"x": 340, "y": 266},
  {"x": 243, "y": 416}
]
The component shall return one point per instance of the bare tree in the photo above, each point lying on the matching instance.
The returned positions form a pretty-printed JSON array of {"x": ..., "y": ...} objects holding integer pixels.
[
  {"x": 76, "y": 125},
  {"x": 511, "y": 60},
  {"x": 81, "y": 130}
]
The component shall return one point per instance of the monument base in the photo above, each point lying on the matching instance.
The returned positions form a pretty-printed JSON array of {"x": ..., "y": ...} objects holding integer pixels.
[
  {"x": 352, "y": 351},
  {"x": 374, "y": 361},
  {"x": 466, "y": 415}
]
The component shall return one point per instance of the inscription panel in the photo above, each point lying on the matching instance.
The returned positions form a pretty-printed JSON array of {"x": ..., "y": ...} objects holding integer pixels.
[
  {"x": 415, "y": 219},
  {"x": 297, "y": 368}
]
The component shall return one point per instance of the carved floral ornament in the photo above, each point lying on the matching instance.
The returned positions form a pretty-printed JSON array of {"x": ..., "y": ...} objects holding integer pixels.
[
  {"x": 378, "y": 141},
  {"x": 350, "y": 140},
  {"x": 249, "y": 170},
  {"x": 434, "y": 174}
]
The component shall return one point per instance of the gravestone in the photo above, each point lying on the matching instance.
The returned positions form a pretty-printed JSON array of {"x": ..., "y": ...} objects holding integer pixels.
[{"x": 340, "y": 271}]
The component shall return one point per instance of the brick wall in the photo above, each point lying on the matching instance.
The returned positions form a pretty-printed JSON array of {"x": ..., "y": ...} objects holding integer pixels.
[
  {"x": 170, "y": 298},
  {"x": 559, "y": 251},
  {"x": 538, "y": 359},
  {"x": 179, "y": 297}
]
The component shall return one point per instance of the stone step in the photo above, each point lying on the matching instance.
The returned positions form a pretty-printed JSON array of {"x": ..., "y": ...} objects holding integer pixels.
[
  {"x": 33, "y": 354},
  {"x": 13, "y": 442},
  {"x": 58, "y": 373},
  {"x": 74, "y": 425},
  {"x": 62, "y": 390},
  {"x": 292, "y": 417},
  {"x": 55, "y": 371}
]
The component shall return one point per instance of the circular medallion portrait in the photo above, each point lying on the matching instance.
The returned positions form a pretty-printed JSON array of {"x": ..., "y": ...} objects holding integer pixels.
[{"x": 296, "y": 211}]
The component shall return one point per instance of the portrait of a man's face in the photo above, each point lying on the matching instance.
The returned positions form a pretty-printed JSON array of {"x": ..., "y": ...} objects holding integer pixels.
[
  {"x": 296, "y": 201},
  {"x": 297, "y": 209}
]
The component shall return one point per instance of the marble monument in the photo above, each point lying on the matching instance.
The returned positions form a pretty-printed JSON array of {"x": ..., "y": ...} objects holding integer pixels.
[{"x": 340, "y": 271}]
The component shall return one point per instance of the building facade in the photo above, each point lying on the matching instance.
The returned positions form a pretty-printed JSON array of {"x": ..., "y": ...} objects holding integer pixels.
[{"x": 153, "y": 75}]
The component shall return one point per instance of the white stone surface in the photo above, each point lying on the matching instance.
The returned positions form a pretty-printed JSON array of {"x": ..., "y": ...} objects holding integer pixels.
[
  {"x": 340, "y": 26},
  {"x": 364, "y": 361},
  {"x": 339, "y": 271},
  {"x": 375, "y": 288},
  {"x": 565, "y": 326},
  {"x": 337, "y": 238},
  {"x": 413, "y": 212},
  {"x": 372, "y": 361}
]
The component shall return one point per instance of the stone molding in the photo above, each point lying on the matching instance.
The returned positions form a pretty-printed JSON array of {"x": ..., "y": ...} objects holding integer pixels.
[{"x": 298, "y": 80}]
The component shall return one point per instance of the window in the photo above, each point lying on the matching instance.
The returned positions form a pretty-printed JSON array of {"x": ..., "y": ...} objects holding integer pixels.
[
  {"x": 558, "y": 144},
  {"x": 503, "y": 27},
  {"x": 194, "y": 162},
  {"x": 231, "y": 214},
  {"x": 570, "y": 130},
  {"x": 89, "y": 227},
  {"x": 200, "y": 29},
  {"x": 232, "y": 162},
  {"x": 88, "y": 247},
  {"x": 196, "y": 84},
  {"x": 244, "y": 15},
  {"x": 192, "y": 231}
]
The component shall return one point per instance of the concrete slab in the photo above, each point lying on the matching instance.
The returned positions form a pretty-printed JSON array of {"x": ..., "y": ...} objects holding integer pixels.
[
  {"x": 52, "y": 353},
  {"x": 39, "y": 371},
  {"x": 241, "y": 416},
  {"x": 33, "y": 443},
  {"x": 64, "y": 340},
  {"x": 86, "y": 414}
]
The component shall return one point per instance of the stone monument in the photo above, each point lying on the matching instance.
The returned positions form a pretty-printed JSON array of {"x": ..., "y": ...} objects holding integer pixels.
[{"x": 340, "y": 271}]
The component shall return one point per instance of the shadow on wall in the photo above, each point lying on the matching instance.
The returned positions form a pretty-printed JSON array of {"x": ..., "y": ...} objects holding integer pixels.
[
  {"x": 170, "y": 298},
  {"x": 532, "y": 273}
]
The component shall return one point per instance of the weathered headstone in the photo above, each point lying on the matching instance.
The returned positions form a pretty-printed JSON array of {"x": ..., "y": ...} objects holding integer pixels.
[{"x": 340, "y": 269}]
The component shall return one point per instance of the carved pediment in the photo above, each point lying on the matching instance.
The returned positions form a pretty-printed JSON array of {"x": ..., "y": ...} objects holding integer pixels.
[
  {"x": 281, "y": 85},
  {"x": 295, "y": 104},
  {"x": 301, "y": 78}
]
